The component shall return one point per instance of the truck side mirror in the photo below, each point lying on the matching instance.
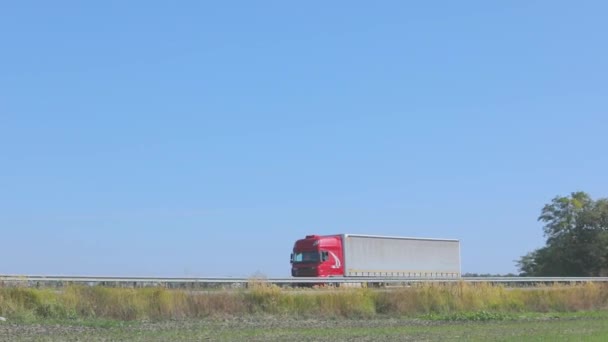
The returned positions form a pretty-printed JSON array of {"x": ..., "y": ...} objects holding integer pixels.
[
  {"x": 324, "y": 256},
  {"x": 291, "y": 258}
]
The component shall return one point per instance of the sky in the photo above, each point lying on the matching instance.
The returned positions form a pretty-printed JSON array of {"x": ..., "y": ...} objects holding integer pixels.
[{"x": 199, "y": 138}]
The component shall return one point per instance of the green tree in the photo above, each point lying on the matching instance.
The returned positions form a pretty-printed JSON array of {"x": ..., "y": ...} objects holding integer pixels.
[{"x": 576, "y": 228}]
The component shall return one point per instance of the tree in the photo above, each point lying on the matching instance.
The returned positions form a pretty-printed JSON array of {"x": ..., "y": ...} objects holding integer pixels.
[{"x": 576, "y": 228}]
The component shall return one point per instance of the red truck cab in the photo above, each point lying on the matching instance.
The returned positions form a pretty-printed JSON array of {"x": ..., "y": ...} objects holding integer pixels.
[{"x": 318, "y": 256}]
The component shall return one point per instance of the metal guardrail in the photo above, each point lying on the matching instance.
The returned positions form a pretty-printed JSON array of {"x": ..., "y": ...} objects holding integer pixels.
[{"x": 37, "y": 280}]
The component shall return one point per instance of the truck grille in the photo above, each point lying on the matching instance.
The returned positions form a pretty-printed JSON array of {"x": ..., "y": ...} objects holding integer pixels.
[{"x": 304, "y": 272}]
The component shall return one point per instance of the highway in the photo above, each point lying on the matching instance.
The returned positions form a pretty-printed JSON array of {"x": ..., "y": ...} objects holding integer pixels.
[{"x": 187, "y": 282}]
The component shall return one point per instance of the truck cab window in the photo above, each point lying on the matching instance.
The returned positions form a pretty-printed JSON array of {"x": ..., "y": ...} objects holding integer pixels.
[{"x": 306, "y": 257}]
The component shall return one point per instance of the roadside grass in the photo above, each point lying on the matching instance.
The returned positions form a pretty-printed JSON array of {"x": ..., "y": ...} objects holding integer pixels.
[
  {"x": 482, "y": 297},
  {"x": 449, "y": 302}
]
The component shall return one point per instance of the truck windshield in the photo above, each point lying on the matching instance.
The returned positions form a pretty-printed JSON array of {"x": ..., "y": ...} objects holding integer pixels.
[{"x": 306, "y": 257}]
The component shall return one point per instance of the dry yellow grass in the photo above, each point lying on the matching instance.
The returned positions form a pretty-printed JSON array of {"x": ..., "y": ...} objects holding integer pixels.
[
  {"x": 440, "y": 298},
  {"x": 261, "y": 298}
]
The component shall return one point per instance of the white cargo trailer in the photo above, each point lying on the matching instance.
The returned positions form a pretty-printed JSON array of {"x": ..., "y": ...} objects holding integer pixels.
[{"x": 369, "y": 255}]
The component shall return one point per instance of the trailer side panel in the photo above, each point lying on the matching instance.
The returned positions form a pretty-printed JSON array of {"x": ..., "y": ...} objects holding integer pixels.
[{"x": 396, "y": 256}]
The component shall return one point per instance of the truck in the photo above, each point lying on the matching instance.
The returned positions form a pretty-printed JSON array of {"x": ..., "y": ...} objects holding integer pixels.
[{"x": 356, "y": 255}]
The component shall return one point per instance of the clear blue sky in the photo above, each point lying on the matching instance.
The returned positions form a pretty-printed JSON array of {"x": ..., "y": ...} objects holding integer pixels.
[{"x": 200, "y": 139}]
